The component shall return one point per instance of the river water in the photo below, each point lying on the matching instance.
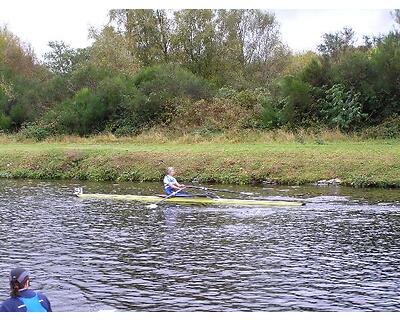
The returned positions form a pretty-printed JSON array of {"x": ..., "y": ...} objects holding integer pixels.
[{"x": 339, "y": 252}]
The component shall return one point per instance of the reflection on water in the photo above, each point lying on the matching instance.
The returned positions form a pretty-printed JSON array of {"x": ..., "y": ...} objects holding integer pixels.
[{"x": 340, "y": 252}]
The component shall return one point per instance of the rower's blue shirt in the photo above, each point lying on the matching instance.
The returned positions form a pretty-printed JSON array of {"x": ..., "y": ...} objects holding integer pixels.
[
  {"x": 167, "y": 181},
  {"x": 29, "y": 301}
]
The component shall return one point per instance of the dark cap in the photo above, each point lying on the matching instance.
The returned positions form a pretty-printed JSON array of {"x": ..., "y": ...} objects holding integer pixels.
[{"x": 19, "y": 275}]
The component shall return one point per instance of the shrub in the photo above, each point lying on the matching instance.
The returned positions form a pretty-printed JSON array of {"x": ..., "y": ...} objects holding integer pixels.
[
  {"x": 226, "y": 93},
  {"x": 247, "y": 98},
  {"x": 83, "y": 114},
  {"x": 341, "y": 108},
  {"x": 149, "y": 99},
  {"x": 86, "y": 76},
  {"x": 385, "y": 59},
  {"x": 20, "y": 101},
  {"x": 5, "y": 122},
  {"x": 270, "y": 114},
  {"x": 388, "y": 129},
  {"x": 297, "y": 100},
  {"x": 316, "y": 72},
  {"x": 35, "y": 132},
  {"x": 212, "y": 116},
  {"x": 171, "y": 81},
  {"x": 125, "y": 130}
]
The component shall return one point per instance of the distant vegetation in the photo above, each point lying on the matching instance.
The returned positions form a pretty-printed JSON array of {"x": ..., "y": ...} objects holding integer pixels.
[{"x": 200, "y": 71}]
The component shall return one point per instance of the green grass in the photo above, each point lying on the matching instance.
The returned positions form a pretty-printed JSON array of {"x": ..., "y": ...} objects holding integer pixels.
[{"x": 357, "y": 163}]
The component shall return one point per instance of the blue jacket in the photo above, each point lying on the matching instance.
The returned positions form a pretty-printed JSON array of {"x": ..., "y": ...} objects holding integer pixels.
[{"x": 28, "y": 299}]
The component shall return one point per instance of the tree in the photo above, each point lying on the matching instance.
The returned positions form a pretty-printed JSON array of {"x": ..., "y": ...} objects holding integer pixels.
[
  {"x": 110, "y": 51},
  {"x": 62, "y": 59},
  {"x": 385, "y": 61},
  {"x": 194, "y": 41},
  {"x": 251, "y": 43},
  {"x": 147, "y": 32},
  {"x": 17, "y": 56},
  {"x": 253, "y": 35},
  {"x": 372, "y": 41},
  {"x": 224, "y": 46},
  {"x": 335, "y": 43},
  {"x": 22, "y": 80},
  {"x": 396, "y": 16},
  {"x": 298, "y": 62}
]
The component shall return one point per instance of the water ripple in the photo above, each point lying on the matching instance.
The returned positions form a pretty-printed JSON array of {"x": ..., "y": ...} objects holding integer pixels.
[{"x": 337, "y": 253}]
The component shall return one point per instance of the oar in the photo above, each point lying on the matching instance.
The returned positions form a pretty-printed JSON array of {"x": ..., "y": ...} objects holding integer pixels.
[
  {"x": 221, "y": 190},
  {"x": 155, "y": 205}
]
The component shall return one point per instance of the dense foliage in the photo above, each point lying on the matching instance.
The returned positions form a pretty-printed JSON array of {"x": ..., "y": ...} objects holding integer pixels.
[
  {"x": 199, "y": 70},
  {"x": 344, "y": 87}
]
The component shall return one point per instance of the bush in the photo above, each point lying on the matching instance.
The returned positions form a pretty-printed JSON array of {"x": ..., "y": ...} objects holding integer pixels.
[
  {"x": 341, "y": 109},
  {"x": 150, "y": 98},
  {"x": 35, "y": 132},
  {"x": 226, "y": 93},
  {"x": 5, "y": 122},
  {"x": 247, "y": 98},
  {"x": 21, "y": 101},
  {"x": 169, "y": 81},
  {"x": 83, "y": 114},
  {"x": 124, "y": 105},
  {"x": 270, "y": 114},
  {"x": 86, "y": 76},
  {"x": 297, "y": 100},
  {"x": 213, "y": 116},
  {"x": 316, "y": 72},
  {"x": 389, "y": 129},
  {"x": 385, "y": 59},
  {"x": 125, "y": 130},
  {"x": 122, "y": 101}
]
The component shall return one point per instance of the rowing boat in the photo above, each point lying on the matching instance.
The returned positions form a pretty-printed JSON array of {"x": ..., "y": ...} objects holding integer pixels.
[{"x": 190, "y": 200}]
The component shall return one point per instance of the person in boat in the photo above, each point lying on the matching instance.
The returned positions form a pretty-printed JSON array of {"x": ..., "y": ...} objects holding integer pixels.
[
  {"x": 22, "y": 298},
  {"x": 171, "y": 185}
]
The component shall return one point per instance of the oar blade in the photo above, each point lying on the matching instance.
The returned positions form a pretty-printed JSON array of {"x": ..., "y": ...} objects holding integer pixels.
[{"x": 152, "y": 206}]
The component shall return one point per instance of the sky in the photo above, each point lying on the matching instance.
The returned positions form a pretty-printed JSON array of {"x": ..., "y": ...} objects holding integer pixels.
[{"x": 301, "y": 28}]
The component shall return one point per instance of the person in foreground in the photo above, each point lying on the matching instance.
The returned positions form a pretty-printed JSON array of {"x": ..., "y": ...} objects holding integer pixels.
[
  {"x": 171, "y": 185},
  {"x": 22, "y": 298}
]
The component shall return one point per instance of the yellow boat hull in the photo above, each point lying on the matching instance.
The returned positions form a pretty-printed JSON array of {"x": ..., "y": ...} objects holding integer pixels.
[{"x": 192, "y": 201}]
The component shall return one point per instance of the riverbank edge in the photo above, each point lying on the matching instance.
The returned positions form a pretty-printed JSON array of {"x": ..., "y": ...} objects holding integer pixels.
[{"x": 282, "y": 167}]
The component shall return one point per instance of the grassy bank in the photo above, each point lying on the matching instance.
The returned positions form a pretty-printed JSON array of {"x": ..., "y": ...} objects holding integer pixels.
[{"x": 281, "y": 160}]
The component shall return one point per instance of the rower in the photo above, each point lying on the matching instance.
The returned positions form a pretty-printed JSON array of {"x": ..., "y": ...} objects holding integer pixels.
[
  {"x": 171, "y": 185},
  {"x": 22, "y": 298}
]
